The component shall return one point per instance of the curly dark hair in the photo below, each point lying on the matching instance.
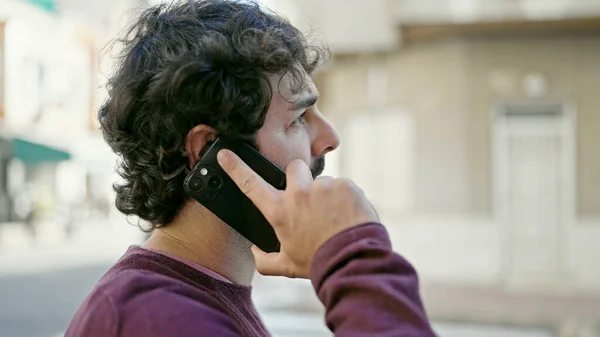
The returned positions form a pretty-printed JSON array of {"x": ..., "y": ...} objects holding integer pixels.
[{"x": 188, "y": 63}]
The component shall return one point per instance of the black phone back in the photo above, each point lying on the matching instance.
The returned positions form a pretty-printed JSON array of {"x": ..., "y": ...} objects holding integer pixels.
[{"x": 208, "y": 184}]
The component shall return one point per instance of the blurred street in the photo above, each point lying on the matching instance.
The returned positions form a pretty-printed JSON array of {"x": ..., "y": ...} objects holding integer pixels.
[
  {"x": 42, "y": 282},
  {"x": 41, "y": 305}
]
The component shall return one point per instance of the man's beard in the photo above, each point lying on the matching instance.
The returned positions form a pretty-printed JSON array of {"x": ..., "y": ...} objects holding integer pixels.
[{"x": 317, "y": 167}]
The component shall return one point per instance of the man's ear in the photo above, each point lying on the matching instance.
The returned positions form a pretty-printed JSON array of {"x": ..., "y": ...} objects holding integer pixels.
[{"x": 196, "y": 139}]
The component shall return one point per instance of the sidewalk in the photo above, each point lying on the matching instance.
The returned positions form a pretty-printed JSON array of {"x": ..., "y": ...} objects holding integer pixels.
[{"x": 95, "y": 242}]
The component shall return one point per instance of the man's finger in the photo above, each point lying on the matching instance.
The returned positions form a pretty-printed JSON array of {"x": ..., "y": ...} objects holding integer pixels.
[
  {"x": 267, "y": 264},
  {"x": 298, "y": 175},
  {"x": 274, "y": 264},
  {"x": 262, "y": 194}
]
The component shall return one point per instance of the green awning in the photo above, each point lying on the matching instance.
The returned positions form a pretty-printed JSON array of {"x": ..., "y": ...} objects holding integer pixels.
[
  {"x": 35, "y": 153},
  {"x": 48, "y": 5}
]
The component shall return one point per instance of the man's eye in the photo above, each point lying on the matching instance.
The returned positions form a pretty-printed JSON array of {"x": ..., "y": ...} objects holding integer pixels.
[{"x": 301, "y": 119}]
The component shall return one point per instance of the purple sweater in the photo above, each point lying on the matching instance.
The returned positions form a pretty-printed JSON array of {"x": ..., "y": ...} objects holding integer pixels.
[{"x": 367, "y": 290}]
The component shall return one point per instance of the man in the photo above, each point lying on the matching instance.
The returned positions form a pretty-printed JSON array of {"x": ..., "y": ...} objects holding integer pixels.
[{"x": 193, "y": 71}]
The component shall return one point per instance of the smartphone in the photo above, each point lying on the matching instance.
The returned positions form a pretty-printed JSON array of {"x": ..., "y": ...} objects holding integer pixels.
[{"x": 208, "y": 184}]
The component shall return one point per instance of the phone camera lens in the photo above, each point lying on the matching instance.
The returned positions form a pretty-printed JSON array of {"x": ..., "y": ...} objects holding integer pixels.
[
  {"x": 215, "y": 182},
  {"x": 195, "y": 184}
]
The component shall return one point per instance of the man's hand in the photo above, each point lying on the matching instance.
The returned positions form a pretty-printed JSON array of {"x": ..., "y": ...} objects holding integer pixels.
[{"x": 304, "y": 216}]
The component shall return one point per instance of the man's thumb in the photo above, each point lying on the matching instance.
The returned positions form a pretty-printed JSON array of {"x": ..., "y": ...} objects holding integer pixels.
[{"x": 268, "y": 264}]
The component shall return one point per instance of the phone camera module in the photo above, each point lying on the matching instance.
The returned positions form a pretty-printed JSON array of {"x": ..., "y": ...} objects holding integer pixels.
[
  {"x": 195, "y": 185},
  {"x": 215, "y": 182}
]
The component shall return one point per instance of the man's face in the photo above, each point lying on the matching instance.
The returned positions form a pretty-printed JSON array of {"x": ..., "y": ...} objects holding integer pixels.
[{"x": 294, "y": 128}]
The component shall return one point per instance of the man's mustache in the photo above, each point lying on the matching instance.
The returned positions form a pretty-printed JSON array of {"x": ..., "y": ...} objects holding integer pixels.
[{"x": 317, "y": 167}]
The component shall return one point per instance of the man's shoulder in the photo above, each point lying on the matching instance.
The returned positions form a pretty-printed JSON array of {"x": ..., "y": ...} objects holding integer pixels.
[
  {"x": 131, "y": 291},
  {"x": 121, "y": 284},
  {"x": 128, "y": 300},
  {"x": 137, "y": 280}
]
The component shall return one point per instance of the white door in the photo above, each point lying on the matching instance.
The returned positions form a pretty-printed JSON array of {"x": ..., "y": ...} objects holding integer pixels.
[{"x": 534, "y": 164}]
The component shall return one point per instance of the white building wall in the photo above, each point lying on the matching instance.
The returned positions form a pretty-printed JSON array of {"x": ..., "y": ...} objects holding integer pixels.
[{"x": 447, "y": 233}]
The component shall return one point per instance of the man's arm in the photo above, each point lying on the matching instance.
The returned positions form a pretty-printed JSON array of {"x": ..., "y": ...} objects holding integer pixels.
[{"x": 366, "y": 288}]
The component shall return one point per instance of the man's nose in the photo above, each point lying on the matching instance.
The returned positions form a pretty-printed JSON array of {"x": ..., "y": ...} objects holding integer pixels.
[{"x": 326, "y": 138}]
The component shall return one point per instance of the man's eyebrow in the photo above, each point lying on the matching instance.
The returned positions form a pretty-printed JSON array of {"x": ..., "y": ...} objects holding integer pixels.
[{"x": 305, "y": 102}]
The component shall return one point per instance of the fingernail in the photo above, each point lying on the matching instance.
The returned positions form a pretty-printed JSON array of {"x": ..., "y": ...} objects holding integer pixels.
[{"x": 223, "y": 156}]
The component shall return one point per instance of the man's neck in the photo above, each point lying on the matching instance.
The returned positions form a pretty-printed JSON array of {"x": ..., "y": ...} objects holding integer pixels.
[{"x": 199, "y": 236}]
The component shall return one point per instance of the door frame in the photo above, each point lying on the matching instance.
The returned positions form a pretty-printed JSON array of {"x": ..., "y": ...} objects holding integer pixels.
[{"x": 499, "y": 184}]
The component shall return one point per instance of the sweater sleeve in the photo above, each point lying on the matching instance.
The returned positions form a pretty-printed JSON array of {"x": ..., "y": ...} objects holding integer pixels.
[{"x": 366, "y": 288}]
